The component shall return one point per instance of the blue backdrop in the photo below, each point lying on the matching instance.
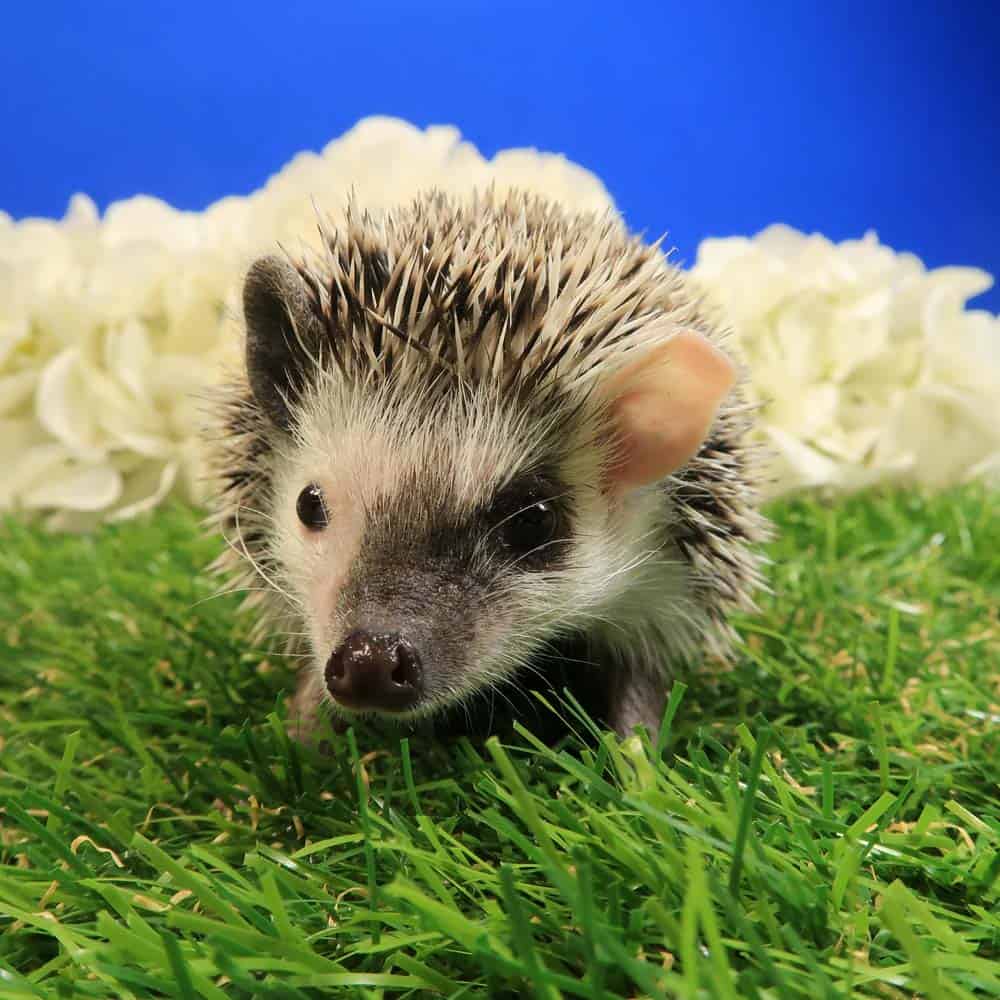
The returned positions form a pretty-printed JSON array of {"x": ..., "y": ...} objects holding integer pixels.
[{"x": 702, "y": 118}]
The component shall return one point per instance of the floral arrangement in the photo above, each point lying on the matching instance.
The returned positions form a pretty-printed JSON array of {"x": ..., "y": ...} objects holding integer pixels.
[{"x": 868, "y": 366}]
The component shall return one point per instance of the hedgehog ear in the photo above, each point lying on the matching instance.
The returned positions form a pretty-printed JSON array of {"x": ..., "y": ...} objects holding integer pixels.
[
  {"x": 281, "y": 331},
  {"x": 663, "y": 406}
]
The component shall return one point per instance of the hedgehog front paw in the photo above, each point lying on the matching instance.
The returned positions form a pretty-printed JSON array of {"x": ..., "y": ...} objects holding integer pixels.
[
  {"x": 637, "y": 698},
  {"x": 307, "y": 721}
]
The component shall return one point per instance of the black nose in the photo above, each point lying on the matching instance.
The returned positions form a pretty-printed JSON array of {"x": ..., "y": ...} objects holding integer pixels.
[{"x": 374, "y": 672}]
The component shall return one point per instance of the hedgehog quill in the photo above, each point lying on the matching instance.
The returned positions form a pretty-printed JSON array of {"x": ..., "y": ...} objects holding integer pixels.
[{"x": 482, "y": 448}]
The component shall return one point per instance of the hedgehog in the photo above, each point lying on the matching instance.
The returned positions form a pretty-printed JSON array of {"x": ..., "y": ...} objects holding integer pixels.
[{"x": 485, "y": 449}]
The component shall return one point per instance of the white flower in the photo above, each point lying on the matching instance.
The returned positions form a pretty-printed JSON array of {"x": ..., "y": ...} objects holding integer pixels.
[{"x": 868, "y": 366}]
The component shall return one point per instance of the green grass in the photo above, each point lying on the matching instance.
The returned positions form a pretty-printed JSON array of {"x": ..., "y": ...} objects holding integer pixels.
[{"x": 825, "y": 820}]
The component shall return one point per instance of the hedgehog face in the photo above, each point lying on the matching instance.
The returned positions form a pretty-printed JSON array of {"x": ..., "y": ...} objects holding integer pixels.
[
  {"x": 434, "y": 552},
  {"x": 451, "y": 449}
]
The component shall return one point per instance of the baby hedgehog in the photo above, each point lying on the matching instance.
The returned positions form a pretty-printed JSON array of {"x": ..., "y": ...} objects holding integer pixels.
[{"x": 484, "y": 448}]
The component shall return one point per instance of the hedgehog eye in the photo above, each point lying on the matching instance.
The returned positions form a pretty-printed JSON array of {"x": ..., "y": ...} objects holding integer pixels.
[
  {"x": 311, "y": 508},
  {"x": 530, "y": 528}
]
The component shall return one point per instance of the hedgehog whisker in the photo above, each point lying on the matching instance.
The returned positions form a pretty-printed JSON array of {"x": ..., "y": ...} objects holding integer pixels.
[
  {"x": 512, "y": 563},
  {"x": 527, "y": 506},
  {"x": 256, "y": 565},
  {"x": 227, "y": 592},
  {"x": 259, "y": 513}
]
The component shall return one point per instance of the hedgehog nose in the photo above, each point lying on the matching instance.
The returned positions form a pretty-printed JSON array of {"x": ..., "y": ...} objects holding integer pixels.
[{"x": 380, "y": 672}]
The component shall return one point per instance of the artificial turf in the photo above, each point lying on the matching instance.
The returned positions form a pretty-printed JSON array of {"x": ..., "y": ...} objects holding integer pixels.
[{"x": 822, "y": 821}]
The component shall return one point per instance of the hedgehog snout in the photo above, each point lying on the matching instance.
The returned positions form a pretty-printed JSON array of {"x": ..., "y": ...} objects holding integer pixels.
[{"x": 379, "y": 672}]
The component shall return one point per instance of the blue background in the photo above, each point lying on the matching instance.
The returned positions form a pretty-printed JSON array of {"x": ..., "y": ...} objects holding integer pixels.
[{"x": 702, "y": 118}]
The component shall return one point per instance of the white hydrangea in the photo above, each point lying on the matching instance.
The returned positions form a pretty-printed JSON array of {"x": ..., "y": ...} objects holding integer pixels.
[
  {"x": 869, "y": 366},
  {"x": 110, "y": 328}
]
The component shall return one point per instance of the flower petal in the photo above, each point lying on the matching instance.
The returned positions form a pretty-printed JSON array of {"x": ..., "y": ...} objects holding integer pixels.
[
  {"x": 65, "y": 408},
  {"x": 145, "y": 490},
  {"x": 71, "y": 485}
]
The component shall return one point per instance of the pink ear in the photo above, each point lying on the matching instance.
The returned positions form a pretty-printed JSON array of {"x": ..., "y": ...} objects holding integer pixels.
[{"x": 663, "y": 406}]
